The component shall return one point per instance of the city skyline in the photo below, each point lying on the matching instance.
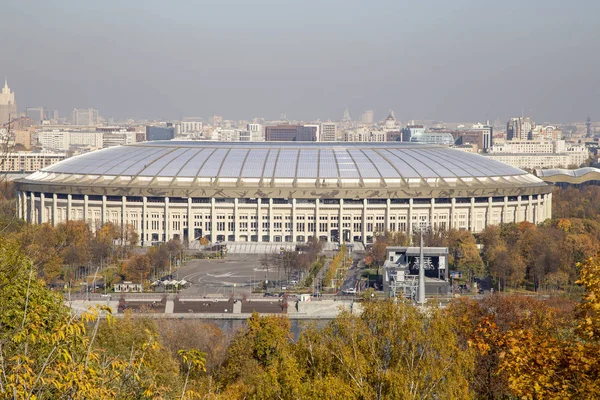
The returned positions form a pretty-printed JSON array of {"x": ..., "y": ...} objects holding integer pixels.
[{"x": 308, "y": 61}]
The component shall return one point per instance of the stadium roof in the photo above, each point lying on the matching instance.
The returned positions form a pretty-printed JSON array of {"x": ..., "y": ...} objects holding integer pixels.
[
  {"x": 194, "y": 164},
  {"x": 572, "y": 176}
]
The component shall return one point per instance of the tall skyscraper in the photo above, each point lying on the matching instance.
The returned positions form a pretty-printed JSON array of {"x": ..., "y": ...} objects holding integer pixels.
[
  {"x": 84, "y": 116},
  {"x": 328, "y": 132},
  {"x": 519, "y": 128},
  {"x": 8, "y": 106}
]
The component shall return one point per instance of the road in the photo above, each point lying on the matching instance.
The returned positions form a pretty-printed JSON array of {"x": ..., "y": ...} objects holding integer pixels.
[{"x": 239, "y": 273}]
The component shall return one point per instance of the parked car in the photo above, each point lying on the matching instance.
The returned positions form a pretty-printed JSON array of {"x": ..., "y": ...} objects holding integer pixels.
[{"x": 349, "y": 291}]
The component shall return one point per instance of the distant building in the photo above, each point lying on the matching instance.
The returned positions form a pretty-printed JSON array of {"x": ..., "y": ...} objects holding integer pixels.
[
  {"x": 328, "y": 132},
  {"x": 119, "y": 138},
  {"x": 363, "y": 135},
  {"x": 411, "y": 130},
  {"x": 433, "y": 137},
  {"x": 390, "y": 124},
  {"x": 160, "y": 133},
  {"x": 257, "y": 132},
  {"x": 190, "y": 125},
  {"x": 367, "y": 117},
  {"x": 84, "y": 117},
  {"x": 530, "y": 154},
  {"x": 291, "y": 133},
  {"x": 519, "y": 128},
  {"x": 8, "y": 106},
  {"x": 22, "y": 137},
  {"x": 28, "y": 161},
  {"x": 37, "y": 114}
]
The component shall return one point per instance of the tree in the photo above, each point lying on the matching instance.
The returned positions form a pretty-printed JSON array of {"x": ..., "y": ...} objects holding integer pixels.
[{"x": 137, "y": 268}]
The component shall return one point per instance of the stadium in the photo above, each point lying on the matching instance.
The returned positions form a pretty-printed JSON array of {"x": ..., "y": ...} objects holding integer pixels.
[{"x": 281, "y": 192}]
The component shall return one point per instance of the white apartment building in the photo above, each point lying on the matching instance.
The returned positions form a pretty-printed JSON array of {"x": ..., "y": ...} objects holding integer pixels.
[
  {"x": 365, "y": 136},
  {"x": 328, "y": 132},
  {"x": 54, "y": 140},
  {"x": 27, "y": 161},
  {"x": 189, "y": 127},
  {"x": 532, "y": 154}
]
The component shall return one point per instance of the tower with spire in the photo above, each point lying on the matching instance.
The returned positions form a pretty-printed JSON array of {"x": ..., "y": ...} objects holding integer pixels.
[{"x": 8, "y": 106}]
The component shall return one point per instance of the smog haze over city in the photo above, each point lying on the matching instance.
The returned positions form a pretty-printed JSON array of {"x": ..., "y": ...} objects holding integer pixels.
[{"x": 450, "y": 61}]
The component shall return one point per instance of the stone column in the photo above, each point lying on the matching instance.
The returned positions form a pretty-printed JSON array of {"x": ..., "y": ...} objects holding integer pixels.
[
  {"x": 518, "y": 217},
  {"x": 504, "y": 209},
  {"x": 293, "y": 230},
  {"x": 341, "y": 222},
  {"x": 85, "y": 208},
  {"x": 144, "y": 228},
  {"x": 69, "y": 206},
  {"x": 123, "y": 215},
  {"x": 42, "y": 216},
  {"x": 388, "y": 212},
  {"x": 529, "y": 209},
  {"x": 259, "y": 219},
  {"x": 452, "y": 211},
  {"x": 167, "y": 230},
  {"x": 54, "y": 209},
  {"x": 236, "y": 221},
  {"x": 409, "y": 217},
  {"x": 364, "y": 222},
  {"x": 472, "y": 215},
  {"x": 317, "y": 221},
  {"x": 213, "y": 221},
  {"x": 31, "y": 218},
  {"x": 488, "y": 219},
  {"x": 271, "y": 220},
  {"x": 191, "y": 222},
  {"x": 431, "y": 214},
  {"x": 23, "y": 215},
  {"x": 103, "y": 217}
]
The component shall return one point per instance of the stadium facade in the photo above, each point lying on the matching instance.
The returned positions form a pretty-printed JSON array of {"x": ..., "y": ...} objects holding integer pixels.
[{"x": 282, "y": 192}]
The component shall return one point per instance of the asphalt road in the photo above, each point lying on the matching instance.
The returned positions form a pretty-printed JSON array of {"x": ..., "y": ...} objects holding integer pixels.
[{"x": 239, "y": 273}]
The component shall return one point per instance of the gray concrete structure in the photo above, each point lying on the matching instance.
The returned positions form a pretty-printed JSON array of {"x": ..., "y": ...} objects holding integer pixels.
[{"x": 282, "y": 192}]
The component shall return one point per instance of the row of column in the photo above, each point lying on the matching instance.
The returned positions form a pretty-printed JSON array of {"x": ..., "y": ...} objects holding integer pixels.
[{"x": 534, "y": 211}]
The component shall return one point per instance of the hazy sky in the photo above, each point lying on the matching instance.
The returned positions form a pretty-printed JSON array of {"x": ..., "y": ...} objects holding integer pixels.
[{"x": 456, "y": 60}]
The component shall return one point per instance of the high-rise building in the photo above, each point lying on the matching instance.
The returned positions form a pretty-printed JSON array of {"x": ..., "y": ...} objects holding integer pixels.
[
  {"x": 160, "y": 133},
  {"x": 37, "y": 114},
  {"x": 190, "y": 125},
  {"x": 281, "y": 133},
  {"x": 291, "y": 133},
  {"x": 519, "y": 128},
  {"x": 8, "y": 106},
  {"x": 307, "y": 133},
  {"x": 328, "y": 132},
  {"x": 367, "y": 117},
  {"x": 486, "y": 131},
  {"x": 84, "y": 116}
]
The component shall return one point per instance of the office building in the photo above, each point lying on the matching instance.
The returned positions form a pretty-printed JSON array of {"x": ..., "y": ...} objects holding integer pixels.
[
  {"x": 84, "y": 117},
  {"x": 519, "y": 128},
  {"x": 328, "y": 132},
  {"x": 160, "y": 133},
  {"x": 291, "y": 133}
]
